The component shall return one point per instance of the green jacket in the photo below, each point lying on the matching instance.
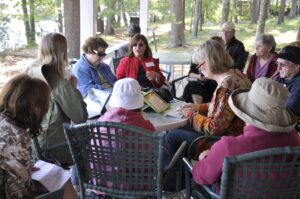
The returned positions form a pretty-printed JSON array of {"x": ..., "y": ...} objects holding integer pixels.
[{"x": 66, "y": 106}]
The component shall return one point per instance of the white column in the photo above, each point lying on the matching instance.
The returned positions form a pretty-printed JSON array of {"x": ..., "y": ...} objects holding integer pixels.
[
  {"x": 87, "y": 20},
  {"x": 144, "y": 16}
]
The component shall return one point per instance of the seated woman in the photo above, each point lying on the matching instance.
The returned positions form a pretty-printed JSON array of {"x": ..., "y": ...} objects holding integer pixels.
[
  {"x": 199, "y": 89},
  {"x": 24, "y": 101},
  {"x": 126, "y": 102},
  {"x": 215, "y": 117},
  {"x": 90, "y": 70},
  {"x": 140, "y": 65},
  {"x": 263, "y": 63},
  {"x": 269, "y": 124},
  {"x": 66, "y": 103}
]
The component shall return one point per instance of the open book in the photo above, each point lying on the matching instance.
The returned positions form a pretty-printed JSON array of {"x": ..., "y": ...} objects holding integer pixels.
[
  {"x": 155, "y": 102},
  {"x": 96, "y": 101},
  {"x": 50, "y": 175}
]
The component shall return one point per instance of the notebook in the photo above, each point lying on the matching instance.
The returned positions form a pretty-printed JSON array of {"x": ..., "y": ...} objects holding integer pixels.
[{"x": 96, "y": 101}]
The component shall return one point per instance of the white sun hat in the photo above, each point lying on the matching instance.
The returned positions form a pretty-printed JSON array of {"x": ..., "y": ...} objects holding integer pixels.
[{"x": 127, "y": 94}]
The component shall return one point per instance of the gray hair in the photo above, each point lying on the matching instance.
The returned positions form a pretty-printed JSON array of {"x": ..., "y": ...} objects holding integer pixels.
[{"x": 267, "y": 40}]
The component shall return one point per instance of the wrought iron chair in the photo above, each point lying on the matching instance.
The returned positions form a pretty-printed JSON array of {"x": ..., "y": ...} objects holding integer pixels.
[
  {"x": 58, "y": 194},
  {"x": 121, "y": 160},
  {"x": 269, "y": 173}
]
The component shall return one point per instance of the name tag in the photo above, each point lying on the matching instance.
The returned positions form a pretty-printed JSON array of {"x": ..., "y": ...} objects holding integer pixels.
[{"x": 150, "y": 64}]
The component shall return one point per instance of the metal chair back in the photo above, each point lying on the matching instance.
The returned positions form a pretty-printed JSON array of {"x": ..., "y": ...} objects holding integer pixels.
[
  {"x": 121, "y": 160},
  {"x": 270, "y": 173}
]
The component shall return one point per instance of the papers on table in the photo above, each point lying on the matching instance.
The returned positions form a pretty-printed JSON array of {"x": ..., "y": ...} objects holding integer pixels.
[
  {"x": 96, "y": 101},
  {"x": 51, "y": 176},
  {"x": 172, "y": 111}
]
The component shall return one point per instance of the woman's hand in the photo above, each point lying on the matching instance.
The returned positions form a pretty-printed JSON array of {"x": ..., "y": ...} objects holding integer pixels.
[
  {"x": 186, "y": 109},
  {"x": 151, "y": 75},
  {"x": 73, "y": 81},
  {"x": 203, "y": 154}
]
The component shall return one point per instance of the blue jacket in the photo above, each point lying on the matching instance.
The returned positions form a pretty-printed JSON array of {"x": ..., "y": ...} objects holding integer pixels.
[
  {"x": 88, "y": 76},
  {"x": 293, "y": 85}
]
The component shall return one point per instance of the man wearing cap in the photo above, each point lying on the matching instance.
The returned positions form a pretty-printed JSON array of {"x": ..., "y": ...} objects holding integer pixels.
[
  {"x": 289, "y": 75},
  {"x": 269, "y": 124},
  {"x": 233, "y": 46},
  {"x": 132, "y": 30}
]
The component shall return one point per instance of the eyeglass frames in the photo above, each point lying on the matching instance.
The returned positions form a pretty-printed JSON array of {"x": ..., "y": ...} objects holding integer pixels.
[{"x": 140, "y": 45}]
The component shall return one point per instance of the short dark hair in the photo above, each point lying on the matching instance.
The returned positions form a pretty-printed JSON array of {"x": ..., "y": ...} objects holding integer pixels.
[
  {"x": 134, "y": 29},
  {"x": 93, "y": 43},
  {"x": 25, "y": 101}
]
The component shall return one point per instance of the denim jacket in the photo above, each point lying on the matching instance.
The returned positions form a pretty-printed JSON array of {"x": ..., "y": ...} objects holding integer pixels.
[{"x": 88, "y": 76}]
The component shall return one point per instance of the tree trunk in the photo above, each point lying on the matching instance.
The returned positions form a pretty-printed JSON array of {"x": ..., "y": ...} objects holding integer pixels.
[
  {"x": 32, "y": 22},
  {"x": 177, "y": 26},
  {"x": 26, "y": 21},
  {"x": 72, "y": 27},
  {"x": 298, "y": 33},
  {"x": 293, "y": 11},
  {"x": 99, "y": 21},
  {"x": 281, "y": 12},
  {"x": 59, "y": 16},
  {"x": 201, "y": 19},
  {"x": 196, "y": 18},
  {"x": 109, "y": 28},
  {"x": 262, "y": 17},
  {"x": 235, "y": 11},
  {"x": 255, "y": 8},
  {"x": 225, "y": 11}
]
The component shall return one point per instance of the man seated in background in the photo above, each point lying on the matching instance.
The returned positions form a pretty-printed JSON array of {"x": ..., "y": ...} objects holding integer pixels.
[
  {"x": 132, "y": 30},
  {"x": 289, "y": 75},
  {"x": 90, "y": 70},
  {"x": 233, "y": 46}
]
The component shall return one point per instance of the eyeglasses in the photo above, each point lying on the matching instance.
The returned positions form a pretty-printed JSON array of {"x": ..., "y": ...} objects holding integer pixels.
[
  {"x": 200, "y": 65},
  {"x": 100, "y": 54},
  {"x": 140, "y": 45},
  {"x": 281, "y": 64}
]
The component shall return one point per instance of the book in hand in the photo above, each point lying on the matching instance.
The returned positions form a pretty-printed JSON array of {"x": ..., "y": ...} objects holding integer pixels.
[
  {"x": 153, "y": 100},
  {"x": 50, "y": 175}
]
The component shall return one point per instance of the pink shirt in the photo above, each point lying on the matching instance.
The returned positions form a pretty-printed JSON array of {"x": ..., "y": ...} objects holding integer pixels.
[{"x": 209, "y": 170}]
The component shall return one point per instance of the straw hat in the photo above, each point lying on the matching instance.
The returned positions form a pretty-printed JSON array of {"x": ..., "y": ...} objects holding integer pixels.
[
  {"x": 127, "y": 94},
  {"x": 264, "y": 106},
  {"x": 228, "y": 26}
]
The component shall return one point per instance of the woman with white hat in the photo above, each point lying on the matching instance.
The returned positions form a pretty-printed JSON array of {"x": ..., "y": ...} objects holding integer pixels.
[
  {"x": 126, "y": 102},
  {"x": 269, "y": 124}
]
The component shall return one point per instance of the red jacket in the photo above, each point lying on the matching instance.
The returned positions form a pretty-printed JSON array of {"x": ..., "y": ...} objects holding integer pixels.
[
  {"x": 129, "y": 67},
  {"x": 127, "y": 117},
  {"x": 251, "y": 67}
]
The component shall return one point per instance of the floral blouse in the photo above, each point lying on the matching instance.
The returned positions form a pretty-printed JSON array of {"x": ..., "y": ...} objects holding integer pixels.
[
  {"x": 220, "y": 119},
  {"x": 15, "y": 160}
]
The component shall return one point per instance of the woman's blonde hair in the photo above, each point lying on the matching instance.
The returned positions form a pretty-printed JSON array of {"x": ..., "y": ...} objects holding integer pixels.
[
  {"x": 53, "y": 51},
  {"x": 215, "y": 56},
  {"x": 25, "y": 100}
]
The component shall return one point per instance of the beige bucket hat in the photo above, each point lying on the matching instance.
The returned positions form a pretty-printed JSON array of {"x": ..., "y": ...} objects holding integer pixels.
[{"x": 264, "y": 106}]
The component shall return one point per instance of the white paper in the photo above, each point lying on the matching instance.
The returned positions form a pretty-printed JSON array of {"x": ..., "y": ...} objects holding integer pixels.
[
  {"x": 96, "y": 101},
  {"x": 50, "y": 175},
  {"x": 172, "y": 111}
]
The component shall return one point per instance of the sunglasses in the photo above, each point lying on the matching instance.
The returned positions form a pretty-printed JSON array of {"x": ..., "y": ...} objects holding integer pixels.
[
  {"x": 100, "y": 54},
  {"x": 140, "y": 45}
]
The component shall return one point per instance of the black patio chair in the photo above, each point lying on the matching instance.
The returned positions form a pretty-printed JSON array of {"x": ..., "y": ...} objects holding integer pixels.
[
  {"x": 121, "y": 160},
  {"x": 269, "y": 173}
]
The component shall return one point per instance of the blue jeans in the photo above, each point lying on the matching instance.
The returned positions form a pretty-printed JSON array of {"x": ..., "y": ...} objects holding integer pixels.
[{"x": 172, "y": 142}]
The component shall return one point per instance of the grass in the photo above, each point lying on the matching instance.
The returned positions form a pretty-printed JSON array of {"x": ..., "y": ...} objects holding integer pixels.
[{"x": 245, "y": 32}]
